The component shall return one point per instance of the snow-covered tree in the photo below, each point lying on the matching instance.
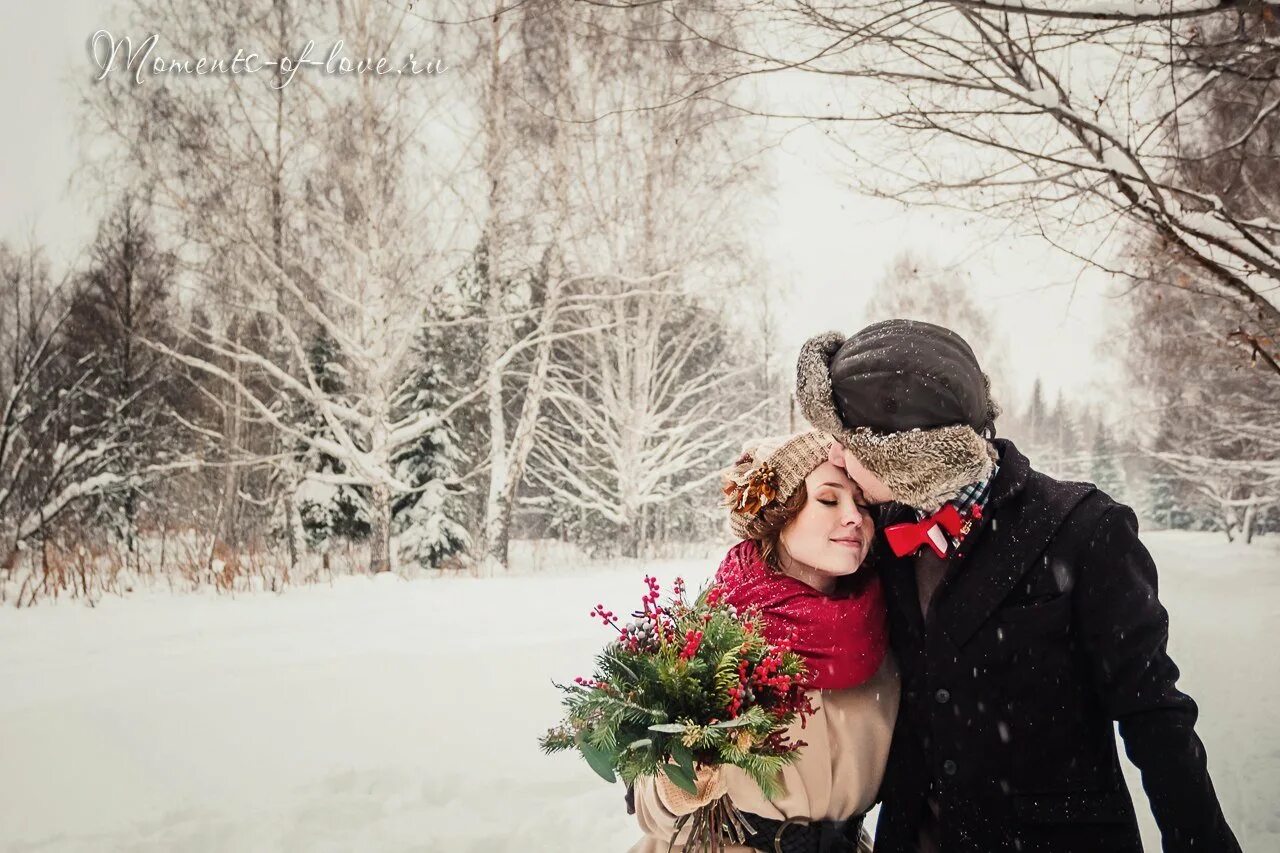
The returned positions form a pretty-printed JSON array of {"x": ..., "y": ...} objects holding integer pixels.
[
  {"x": 318, "y": 232},
  {"x": 1036, "y": 419},
  {"x": 643, "y": 412},
  {"x": 1107, "y": 473},
  {"x": 225, "y": 167},
  {"x": 1206, "y": 415},
  {"x": 57, "y": 439},
  {"x": 522, "y": 263},
  {"x": 639, "y": 413},
  {"x": 1206, "y": 419},
  {"x": 119, "y": 303},
  {"x": 604, "y": 200},
  {"x": 429, "y": 522},
  {"x": 326, "y": 510}
]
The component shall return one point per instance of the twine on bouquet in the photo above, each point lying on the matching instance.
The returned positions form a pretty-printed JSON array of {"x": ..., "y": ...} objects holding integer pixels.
[{"x": 711, "y": 825}]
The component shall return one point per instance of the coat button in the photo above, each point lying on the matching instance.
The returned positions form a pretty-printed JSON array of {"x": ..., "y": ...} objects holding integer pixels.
[
  {"x": 949, "y": 767},
  {"x": 943, "y": 696}
]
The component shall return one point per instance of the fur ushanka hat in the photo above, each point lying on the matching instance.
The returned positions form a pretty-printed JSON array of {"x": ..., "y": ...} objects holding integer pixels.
[{"x": 909, "y": 400}]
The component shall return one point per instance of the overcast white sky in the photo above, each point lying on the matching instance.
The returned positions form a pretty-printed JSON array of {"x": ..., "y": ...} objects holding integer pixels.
[
  {"x": 833, "y": 245},
  {"x": 826, "y": 244}
]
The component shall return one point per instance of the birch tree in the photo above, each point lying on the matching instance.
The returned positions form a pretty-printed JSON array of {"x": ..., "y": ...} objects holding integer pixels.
[
  {"x": 644, "y": 413},
  {"x": 225, "y": 161},
  {"x": 641, "y": 414},
  {"x": 528, "y": 55},
  {"x": 319, "y": 233}
]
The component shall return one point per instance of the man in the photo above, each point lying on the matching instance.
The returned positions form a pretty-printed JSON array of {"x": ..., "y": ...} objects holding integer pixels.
[{"x": 1023, "y": 614}]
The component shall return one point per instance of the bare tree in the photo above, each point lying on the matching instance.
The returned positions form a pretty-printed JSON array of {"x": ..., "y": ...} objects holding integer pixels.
[
  {"x": 299, "y": 230},
  {"x": 1069, "y": 122},
  {"x": 1207, "y": 419},
  {"x": 512, "y": 417},
  {"x": 644, "y": 412},
  {"x": 226, "y": 167}
]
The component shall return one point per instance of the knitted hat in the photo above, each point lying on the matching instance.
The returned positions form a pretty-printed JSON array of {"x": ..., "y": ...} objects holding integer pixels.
[
  {"x": 769, "y": 471},
  {"x": 909, "y": 400}
]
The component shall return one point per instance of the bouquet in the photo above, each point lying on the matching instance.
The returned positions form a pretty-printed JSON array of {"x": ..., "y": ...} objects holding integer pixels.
[{"x": 687, "y": 684}]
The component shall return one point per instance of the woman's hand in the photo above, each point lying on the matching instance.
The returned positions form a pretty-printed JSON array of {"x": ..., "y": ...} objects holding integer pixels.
[{"x": 710, "y": 783}]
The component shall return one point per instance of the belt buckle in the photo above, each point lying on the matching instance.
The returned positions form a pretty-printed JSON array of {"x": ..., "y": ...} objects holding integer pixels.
[
  {"x": 777, "y": 836},
  {"x": 830, "y": 835}
]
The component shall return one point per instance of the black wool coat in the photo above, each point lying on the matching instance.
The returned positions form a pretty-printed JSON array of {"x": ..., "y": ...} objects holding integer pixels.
[{"x": 1045, "y": 630}]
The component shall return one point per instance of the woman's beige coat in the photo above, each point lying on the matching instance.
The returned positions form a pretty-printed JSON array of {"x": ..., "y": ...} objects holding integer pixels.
[{"x": 836, "y": 776}]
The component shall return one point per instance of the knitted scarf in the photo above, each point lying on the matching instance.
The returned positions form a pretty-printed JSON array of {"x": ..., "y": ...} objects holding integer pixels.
[{"x": 842, "y": 638}]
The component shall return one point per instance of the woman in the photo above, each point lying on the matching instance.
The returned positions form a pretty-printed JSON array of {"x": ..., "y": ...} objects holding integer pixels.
[{"x": 806, "y": 532}]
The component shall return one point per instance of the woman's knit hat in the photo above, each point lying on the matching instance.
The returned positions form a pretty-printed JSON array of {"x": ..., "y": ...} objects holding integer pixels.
[
  {"x": 768, "y": 471},
  {"x": 909, "y": 400}
]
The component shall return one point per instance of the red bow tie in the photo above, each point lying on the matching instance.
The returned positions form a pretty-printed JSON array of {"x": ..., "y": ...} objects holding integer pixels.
[{"x": 911, "y": 536}]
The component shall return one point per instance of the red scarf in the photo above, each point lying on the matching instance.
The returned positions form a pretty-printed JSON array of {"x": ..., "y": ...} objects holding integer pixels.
[{"x": 842, "y": 639}]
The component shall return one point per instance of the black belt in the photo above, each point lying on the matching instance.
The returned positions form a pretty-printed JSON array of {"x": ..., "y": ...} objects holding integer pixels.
[{"x": 800, "y": 836}]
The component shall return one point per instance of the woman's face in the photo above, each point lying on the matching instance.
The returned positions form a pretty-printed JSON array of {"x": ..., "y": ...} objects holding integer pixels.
[{"x": 833, "y": 530}]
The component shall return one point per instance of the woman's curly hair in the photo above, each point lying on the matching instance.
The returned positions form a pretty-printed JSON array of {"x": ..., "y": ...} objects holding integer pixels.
[{"x": 765, "y": 527}]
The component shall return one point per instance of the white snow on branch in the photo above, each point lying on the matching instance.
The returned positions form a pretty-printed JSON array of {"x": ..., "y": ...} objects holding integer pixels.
[
  {"x": 1046, "y": 98},
  {"x": 81, "y": 489}
]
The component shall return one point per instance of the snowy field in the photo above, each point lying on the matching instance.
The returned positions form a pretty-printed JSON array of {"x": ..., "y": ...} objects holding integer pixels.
[{"x": 386, "y": 715}]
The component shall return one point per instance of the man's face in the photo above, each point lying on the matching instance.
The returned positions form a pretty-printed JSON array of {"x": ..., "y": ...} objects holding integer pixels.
[{"x": 872, "y": 487}]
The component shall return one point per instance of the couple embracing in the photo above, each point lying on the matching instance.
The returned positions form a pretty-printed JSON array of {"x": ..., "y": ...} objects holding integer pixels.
[{"x": 972, "y": 629}]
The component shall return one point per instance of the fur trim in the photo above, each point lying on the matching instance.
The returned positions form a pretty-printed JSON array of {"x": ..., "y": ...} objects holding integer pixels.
[
  {"x": 923, "y": 468},
  {"x": 993, "y": 409},
  {"x": 813, "y": 382}
]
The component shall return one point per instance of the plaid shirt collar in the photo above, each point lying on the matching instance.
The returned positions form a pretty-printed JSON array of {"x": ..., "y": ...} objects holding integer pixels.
[{"x": 974, "y": 494}]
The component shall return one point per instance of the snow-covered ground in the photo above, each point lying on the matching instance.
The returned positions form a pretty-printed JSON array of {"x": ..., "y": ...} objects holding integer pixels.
[{"x": 380, "y": 714}]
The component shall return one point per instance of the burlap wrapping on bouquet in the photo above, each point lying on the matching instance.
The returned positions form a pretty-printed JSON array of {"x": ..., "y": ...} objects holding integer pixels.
[{"x": 710, "y": 785}]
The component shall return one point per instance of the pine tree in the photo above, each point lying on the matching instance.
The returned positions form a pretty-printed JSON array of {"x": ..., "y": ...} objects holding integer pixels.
[
  {"x": 1037, "y": 417},
  {"x": 1106, "y": 473},
  {"x": 429, "y": 520},
  {"x": 1065, "y": 441},
  {"x": 1160, "y": 500},
  {"x": 120, "y": 303},
  {"x": 327, "y": 509}
]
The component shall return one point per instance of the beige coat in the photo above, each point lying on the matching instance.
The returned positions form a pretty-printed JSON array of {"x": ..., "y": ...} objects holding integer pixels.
[{"x": 836, "y": 776}]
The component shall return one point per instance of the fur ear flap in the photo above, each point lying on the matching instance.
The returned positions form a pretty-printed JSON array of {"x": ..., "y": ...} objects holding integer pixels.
[{"x": 813, "y": 382}]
